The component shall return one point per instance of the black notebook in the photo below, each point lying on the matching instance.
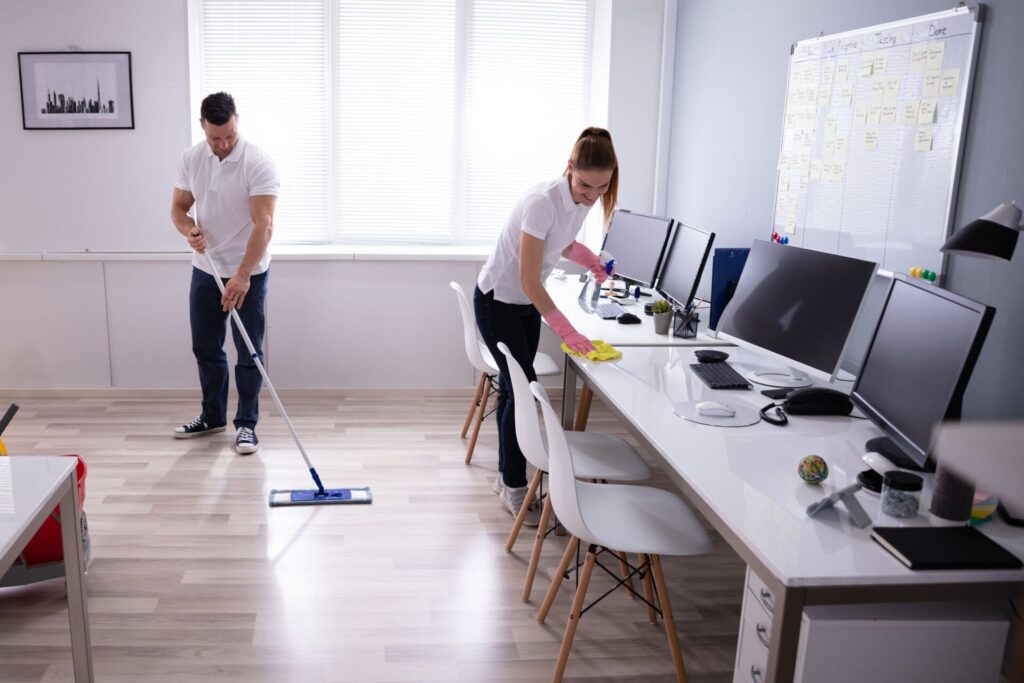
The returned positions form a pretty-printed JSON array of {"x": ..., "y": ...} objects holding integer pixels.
[{"x": 957, "y": 547}]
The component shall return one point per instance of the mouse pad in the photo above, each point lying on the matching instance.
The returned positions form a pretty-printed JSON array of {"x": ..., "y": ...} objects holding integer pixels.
[{"x": 745, "y": 416}]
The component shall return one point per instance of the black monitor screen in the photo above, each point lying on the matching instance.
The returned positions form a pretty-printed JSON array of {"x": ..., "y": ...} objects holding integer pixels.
[
  {"x": 637, "y": 242},
  {"x": 798, "y": 303},
  {"x": 919, "y": 361},
  {"x": 684, "y": 264}
]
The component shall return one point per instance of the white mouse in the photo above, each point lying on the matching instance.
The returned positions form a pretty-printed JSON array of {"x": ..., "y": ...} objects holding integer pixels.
[
  {"x": 879, "y": 463},
  {"x": 715, "y": 409}
]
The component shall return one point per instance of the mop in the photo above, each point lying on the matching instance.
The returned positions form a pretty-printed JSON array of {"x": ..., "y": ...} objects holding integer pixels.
[{"x": 283, "y": 497}]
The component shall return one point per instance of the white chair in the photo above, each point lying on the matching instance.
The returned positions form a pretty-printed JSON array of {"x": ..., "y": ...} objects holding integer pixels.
[
  {"x": 597, "y": 457},
  {"x": 480, "y": 358},
  {"x": 648, "y": 521}
]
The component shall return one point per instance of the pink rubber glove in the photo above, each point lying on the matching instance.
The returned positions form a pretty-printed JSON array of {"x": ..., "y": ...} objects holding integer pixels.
[
  {"x": 588, "y": 259},
  {"x": 564, "y": 329}
]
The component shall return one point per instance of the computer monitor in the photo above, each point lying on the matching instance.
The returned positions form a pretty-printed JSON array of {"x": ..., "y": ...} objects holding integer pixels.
[
  {"x": 798, "y": 307},
  {"x": 683, "y": 266},
  {"x": 917, "y": 366},
  {"x": 637, "y": 242}
]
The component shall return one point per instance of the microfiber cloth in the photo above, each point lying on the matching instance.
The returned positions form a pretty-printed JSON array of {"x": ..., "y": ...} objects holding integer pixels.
[{"x": 602, "y": 351}]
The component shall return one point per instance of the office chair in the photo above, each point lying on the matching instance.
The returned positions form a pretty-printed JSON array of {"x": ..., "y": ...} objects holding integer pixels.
[
  {"x": 480, "y": 358},
  {"x": 596, "y": 457},
  {"x": 648, "y": 521}
]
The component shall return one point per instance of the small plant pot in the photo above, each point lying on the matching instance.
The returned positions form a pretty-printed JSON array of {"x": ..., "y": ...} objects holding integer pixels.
[{"x": 662, "y": 322}]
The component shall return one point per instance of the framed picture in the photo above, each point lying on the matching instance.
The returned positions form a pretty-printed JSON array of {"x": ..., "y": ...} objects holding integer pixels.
[{"x": 71, "y": 90}]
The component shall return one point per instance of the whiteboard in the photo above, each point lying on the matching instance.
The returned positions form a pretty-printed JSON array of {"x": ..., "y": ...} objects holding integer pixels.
[{"x": 872, "y": 138}]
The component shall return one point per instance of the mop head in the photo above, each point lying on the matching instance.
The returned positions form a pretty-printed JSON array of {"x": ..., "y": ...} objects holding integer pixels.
[{"x": 357, "y": 496}]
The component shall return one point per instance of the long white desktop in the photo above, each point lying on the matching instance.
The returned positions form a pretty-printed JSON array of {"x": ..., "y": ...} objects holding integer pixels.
[{"x": 744, "y": 481}]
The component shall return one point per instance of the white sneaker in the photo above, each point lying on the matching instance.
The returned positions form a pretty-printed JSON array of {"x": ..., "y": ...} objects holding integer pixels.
[
  {"x": 499, "y": 484},
  {"x": 513, "y": 500}
]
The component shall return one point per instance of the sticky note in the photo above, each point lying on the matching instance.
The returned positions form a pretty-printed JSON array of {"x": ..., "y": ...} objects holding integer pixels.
[
  {"x": 826, "y": 171},
  {"x": 824, "y": 93},
  {"x": 950, "y": 81},
  {"x": 880, "y": 62},
  {"x": 841, "y": 145},
  {"x": 935, "y": 52},
  {"x": 923, "y": 139},
  {"x": 801, "y": 184},
  {"x": 867, "y": 63},
  {"x": 877, "y": 89},
  {"x": 828, "y": 150},
  {"x": 842, "y": 70},
  {"x": 888, "y": 115},
  {"x": 910, "y": 112},
  {"x": 932, "y": 82},
  {"x": 874, "y": 114},
  {"x": 892, "y": 89},
  {"x": 926, "y": 111},
  {"x": 810, "y": 73},
  {"x": 828, "y": 71},
  {"x": 790, "y": 225},
  {"x": 870, "y": 138},
  {"x": 846, "y": 94},
  {"x": 816, "y": 169},
  {"x": 860, "y": 114},
  {"x": 918, "y": 56},
  {"x": 838, "y": 171},
  {"x": 831, "y": 125}
]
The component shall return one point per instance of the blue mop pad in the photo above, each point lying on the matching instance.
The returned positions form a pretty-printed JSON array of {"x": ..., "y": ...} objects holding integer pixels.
[{"x": 357, "y": 496}]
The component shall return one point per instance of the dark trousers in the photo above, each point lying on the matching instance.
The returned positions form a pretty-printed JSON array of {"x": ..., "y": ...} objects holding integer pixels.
[
  {"x": 518, "y": 325},
  {"x": 209, "y": 325}
]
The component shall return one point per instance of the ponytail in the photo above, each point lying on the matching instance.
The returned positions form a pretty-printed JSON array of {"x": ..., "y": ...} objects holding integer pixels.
[{"x": 594, "y": 151}]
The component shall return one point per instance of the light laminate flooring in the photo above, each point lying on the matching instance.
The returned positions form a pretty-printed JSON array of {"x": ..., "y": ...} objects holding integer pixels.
[{"x": 194, "y": 578}]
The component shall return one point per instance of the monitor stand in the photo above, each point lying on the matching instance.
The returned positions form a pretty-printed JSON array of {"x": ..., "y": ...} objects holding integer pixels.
[
  {"x": 780, "y": 377},
  {"x": 872, "y": 480}
]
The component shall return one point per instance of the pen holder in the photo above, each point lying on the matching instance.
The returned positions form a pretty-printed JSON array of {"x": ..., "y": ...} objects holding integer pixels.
[
  {"x": 684, "y": 324},
  {"x": 952, "y": 498}
]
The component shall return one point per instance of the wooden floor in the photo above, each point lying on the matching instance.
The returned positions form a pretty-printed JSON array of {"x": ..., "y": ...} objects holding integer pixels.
[{"x": 195, "y": 578}]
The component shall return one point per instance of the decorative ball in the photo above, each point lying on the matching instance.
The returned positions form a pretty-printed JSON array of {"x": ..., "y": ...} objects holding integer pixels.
[{"x": 813, "y": 469}]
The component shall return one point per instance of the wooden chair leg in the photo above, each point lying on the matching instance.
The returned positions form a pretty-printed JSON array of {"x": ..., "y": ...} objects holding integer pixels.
[
  {"x": 583, "y": 413},
  {"x": 624, "y": 568},
  {"x": 479, "y": 420},
  {"x": 652, "y": 614},
  {"x": 531, "y": 493},
  {"x": 476, "y": 401},
  {"x": 556, "y": 580},
  {"x": 538, "y": 543},
  {"x": 574, "y": 616},
  {"x": 666, "y": 615}
]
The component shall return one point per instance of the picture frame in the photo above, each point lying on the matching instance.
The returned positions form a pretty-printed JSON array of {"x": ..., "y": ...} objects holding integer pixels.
[{"x": 76, "y": 90}]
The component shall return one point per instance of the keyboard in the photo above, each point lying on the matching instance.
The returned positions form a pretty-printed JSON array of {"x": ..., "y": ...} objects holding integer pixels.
[
  {"x": 609, "y": 310},
  {"x": 719, "y": 376}
]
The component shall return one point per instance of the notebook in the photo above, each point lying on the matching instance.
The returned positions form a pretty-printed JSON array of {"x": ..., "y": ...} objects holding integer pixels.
[{"x": 944, "y": 548}]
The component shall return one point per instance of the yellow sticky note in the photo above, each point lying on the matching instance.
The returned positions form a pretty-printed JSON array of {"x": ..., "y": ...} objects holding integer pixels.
[
  {"x": 816, "y": 169},
  {"x": 828, "y": 71},
  {"x": 892, "y": 89},
  {"x": 932, "y": 82},
  {"x": 860, "y": 114},
  {"x": 888, "y": 115},
  {"x": 790, "y": 224},
  {"x": 877, "y": 89},
  {"x": 874, "y": 114},
  {"x": 841, "y": 145},
  {"x": 918, "y": 56},
  {"x": 923, "y": 140},
  {"x": 935, "y": 52},
  {"x": 926, "y": 112},
  {"x": 831, "y": 125},
  {"x": 880, "y": 63},
  {"x": 801, "y": 184},
  {"x": 846, "y": 94},
  {"x": 824, "y": 92},
  {"x": 826, "y": 171},
  {"x": 910, "y": 112},
  {"x": 871, "y": 138},
  {"x": 867, "y": 63},
  {"x": 838, "y": 171},
  {"x": 842, "y": 70},
  {"x": 810, "y": 73},
  {"x": 828, "y": 150},
  {"x": 950, "y": 81}
]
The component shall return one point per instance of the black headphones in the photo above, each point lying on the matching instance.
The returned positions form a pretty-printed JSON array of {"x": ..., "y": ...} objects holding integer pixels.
[{"x": 779, "y": 419}]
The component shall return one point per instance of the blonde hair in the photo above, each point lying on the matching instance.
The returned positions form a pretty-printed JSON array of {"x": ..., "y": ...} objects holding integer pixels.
[{"x": 594, "y": 151}]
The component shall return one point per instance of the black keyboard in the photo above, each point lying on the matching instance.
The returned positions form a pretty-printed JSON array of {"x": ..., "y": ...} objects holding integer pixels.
[{"x": 719, "y": 376}]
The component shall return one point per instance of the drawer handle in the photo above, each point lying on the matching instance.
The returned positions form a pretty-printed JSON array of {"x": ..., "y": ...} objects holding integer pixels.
[
  {"x": 766, "y": 600},
  {"x": 762, "y": 634},
  {"x": 755, "y": 674}
]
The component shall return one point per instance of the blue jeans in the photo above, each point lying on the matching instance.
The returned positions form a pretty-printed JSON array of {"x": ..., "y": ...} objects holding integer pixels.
[
  {"x": 209, "y": 325},
  {"x": 518, "y": 325}
]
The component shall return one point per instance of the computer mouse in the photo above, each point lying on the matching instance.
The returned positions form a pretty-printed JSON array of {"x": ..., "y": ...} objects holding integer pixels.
[
  {"x": 710, "y": 356},
  {"x": 715, "y": 409},
  {"x": 628, "y": 319}
]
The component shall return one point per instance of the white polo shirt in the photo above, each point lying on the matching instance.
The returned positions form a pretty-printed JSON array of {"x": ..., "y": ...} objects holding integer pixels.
[
  {"x": 546, "y": 212},
  {"x": 222, "y": 190}
]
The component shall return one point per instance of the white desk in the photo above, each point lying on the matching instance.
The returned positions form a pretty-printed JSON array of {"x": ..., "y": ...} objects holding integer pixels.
[
  {"x": 744, "y": 481},
  {"x": 30, "y": 487}
]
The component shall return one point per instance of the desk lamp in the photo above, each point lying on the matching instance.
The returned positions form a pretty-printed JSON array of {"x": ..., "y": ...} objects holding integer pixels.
[{"x": 994, "y": 235}]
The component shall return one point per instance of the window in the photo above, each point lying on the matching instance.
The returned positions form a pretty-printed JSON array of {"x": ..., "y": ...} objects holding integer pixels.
[{"x": 416, "y": 122}]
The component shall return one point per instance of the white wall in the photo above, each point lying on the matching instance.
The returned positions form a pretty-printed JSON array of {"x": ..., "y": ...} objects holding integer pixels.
[{"x": 79, "y": 314}]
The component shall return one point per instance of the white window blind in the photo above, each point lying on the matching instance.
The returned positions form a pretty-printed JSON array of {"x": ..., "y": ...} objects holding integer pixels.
[{"x": 402, "y": 121}]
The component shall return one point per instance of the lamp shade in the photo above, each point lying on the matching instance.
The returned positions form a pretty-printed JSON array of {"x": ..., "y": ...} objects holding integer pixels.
[{"x": 994, "y": 235}]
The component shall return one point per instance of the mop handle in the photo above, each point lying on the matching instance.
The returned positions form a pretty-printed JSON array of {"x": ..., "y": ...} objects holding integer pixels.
[{"x": 256, "y": 359}]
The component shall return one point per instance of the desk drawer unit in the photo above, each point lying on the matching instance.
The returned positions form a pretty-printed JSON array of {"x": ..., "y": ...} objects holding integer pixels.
[{"x": 755, "y": 632}]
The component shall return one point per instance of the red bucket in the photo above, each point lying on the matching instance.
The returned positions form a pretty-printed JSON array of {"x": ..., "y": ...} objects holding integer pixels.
[{"x": 46, "y": 545}]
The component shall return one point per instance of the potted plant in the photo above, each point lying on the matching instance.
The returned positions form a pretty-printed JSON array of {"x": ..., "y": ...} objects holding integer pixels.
[{"x": 662, "y": 310}]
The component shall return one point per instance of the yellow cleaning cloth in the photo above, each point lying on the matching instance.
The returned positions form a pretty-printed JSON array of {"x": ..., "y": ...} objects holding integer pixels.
[{"x": 602, "y": 351}]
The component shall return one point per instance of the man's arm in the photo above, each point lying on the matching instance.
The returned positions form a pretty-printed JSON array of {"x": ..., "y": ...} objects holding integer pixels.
[
  {"x": 261, "y": 208},
  {"x": 181, "y": 202}
]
